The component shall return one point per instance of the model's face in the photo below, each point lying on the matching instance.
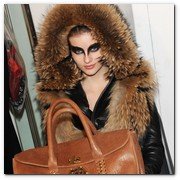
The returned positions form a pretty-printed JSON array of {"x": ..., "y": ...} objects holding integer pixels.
[{"x": 86, "y": 52}]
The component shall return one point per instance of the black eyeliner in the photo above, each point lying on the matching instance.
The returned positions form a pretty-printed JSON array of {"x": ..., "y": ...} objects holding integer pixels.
[
  {"x": 75, "y": 49},
  {"x": 95, "y": 45}
]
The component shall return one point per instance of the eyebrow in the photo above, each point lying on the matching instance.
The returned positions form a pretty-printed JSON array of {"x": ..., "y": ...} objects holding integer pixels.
[{"x": 75, "y": 48}]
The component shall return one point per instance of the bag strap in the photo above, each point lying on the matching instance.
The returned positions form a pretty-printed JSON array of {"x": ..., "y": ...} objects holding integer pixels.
[
  {"x": 91, "y": 125},
  {"x": 52, "y": 122}
]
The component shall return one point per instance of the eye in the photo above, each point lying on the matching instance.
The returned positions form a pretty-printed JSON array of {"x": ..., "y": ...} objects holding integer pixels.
[
  {"x": 78, "y": 52},
  {"x": 94, "y": 47}
]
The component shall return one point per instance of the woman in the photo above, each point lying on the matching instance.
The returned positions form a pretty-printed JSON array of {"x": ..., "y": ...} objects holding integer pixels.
[{"x": 87, "y": 53}]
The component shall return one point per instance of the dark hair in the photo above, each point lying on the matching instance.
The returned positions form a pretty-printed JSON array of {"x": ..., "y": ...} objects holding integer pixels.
[{"x": 78, "y": 30}]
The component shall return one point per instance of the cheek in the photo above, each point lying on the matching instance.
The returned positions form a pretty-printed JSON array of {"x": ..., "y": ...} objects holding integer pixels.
[
  {"x": 78, "y": 59},
  {"x": 97, "y": 56}
]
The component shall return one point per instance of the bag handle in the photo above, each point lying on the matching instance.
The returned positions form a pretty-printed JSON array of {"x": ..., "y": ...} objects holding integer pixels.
[
  {"x": 91, "y": 125},
  {"x": 53, "y": 121}
]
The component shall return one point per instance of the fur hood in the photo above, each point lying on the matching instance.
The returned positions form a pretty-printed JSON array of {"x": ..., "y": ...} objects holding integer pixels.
[
  {"x": 135, "y": 78},
  {"x": 119, "y": 50}
]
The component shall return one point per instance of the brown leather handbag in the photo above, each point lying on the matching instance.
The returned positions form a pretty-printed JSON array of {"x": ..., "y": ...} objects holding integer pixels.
[{"x": 116, "y": 152}]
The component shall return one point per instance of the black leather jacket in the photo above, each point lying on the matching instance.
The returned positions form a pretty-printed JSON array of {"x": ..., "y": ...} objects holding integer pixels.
[{"x": 151, "y": 143}]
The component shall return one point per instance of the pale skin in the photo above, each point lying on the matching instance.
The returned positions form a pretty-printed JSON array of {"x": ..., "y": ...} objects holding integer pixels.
[{"x": 86, "y": 52}]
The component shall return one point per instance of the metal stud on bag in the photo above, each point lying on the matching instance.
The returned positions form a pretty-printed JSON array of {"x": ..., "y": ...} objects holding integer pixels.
[
  {"x": 74, "y": 160},
  {"x": 78, "y": 170},
  {"x": 101, "y": 167}
]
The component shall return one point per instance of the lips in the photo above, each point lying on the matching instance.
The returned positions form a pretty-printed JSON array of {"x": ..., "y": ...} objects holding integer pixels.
[{"x": 90, "y": 66}]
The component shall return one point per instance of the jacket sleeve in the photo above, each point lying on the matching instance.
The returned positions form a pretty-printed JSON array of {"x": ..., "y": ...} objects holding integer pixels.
[{"x": 152, "y": 146}]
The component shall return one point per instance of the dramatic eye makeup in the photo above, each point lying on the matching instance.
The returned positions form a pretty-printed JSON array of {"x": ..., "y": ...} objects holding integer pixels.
[
  {"x": 92, "y": 48},
  {"x": 76, "y": 50}
]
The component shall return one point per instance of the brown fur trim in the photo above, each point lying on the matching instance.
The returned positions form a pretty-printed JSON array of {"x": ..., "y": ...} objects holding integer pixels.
[
  {"x": 128, "y": 108},
  {"x": 119, "y": 50}
]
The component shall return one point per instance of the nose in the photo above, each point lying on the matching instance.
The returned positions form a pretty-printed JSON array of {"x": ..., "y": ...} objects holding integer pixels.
[{"x": 87, "y": 59}]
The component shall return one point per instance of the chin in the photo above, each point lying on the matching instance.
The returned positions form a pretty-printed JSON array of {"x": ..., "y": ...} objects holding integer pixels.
[{"x": 91, "y": 72}]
